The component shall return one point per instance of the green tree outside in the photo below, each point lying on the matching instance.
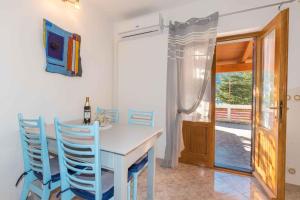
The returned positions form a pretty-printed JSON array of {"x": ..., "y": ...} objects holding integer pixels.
[{"x": 235, "y": 88}]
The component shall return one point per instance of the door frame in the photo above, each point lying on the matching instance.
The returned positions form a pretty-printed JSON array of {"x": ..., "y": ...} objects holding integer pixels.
[
  {"x": 251, "y": 35},
  {"x": 283, "y": 97}
]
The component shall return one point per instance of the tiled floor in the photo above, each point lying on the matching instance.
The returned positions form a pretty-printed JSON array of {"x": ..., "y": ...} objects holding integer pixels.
[
  {"x": 189, "y": 182},
  {"x": 292, "y": 192},
  {"x": 233, "y": 145},
  {"x": 192, "y": 182}
]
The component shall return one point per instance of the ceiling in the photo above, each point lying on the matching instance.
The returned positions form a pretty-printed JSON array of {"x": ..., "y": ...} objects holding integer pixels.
[
  {"x": 235, "y": 56},
  {"x": 119, "y": 9}
]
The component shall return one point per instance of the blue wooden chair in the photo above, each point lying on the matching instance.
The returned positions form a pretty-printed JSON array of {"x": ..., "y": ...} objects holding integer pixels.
[
  {"x": 141, "y": 118},
  {"x": 80, "y": 163},
  {"x": 41, "y": 175},
  {"x": 113, "y": 114},
  {"x": 145, "y": 119}
]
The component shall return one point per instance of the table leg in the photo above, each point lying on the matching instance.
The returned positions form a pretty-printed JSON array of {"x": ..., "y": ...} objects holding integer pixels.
[
  {"x": 120, "y": 177},
  {"x": 151, "y": 174}
]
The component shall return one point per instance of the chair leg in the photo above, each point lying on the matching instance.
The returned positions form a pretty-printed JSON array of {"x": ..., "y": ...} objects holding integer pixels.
[
  {"x": 128, "y": 190},
  {"x": 135, "y": 185},
  {"x": 26, "y": 185},
  {"x": 25, "y": 189},
  {"x": 46, "y": 193},
  {"x": 67, "y": 195}
]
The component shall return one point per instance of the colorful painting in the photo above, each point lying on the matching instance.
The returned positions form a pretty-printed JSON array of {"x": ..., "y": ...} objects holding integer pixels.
[{"x": 62, "y": 50}]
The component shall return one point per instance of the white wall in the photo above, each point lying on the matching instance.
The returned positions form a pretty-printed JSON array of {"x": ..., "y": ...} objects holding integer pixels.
[
  {"x": 293, "y": 127},
  {"x": 26, "y": 87},
  {"x": 253, "y": 20},
  {"x": 142, "y": 79}
]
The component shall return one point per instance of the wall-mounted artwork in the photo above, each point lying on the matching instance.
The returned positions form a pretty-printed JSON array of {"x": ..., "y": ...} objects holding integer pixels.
[{"x": 62, "y": 50}]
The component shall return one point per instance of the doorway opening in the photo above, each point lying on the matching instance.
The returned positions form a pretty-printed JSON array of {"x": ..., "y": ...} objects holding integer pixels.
[{"x": 234, "y": 105}]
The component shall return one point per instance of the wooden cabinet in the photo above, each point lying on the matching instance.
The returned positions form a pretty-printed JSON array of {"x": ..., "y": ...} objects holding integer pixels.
[{"x": 198, "y": 139}]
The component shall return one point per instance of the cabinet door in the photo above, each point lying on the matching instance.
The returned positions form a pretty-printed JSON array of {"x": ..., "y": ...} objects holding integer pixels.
[{"x": 197, "y": 145}]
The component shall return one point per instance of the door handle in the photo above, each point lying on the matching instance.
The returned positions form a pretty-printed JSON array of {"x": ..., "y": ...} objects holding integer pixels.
[{"x": 280, "y": 110}]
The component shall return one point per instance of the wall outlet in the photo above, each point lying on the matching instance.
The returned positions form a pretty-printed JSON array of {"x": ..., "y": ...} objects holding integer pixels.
[{"x": 292, "y": 171}]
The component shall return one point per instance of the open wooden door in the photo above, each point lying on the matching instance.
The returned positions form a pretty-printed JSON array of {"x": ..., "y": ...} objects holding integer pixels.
[{"x": 271, "y": 106}]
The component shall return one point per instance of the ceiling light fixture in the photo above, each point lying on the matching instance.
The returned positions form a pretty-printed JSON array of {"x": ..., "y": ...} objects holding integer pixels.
[{"x": 73, "y": 2}]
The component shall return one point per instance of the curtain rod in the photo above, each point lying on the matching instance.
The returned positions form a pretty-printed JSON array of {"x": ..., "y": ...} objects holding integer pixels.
[
  {"x": 280, "y": 4},
  {"x": 258, "y": 8}
]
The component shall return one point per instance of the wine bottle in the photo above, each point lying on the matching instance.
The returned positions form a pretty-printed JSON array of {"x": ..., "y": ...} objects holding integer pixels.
[{"x": 87, "y": 111}]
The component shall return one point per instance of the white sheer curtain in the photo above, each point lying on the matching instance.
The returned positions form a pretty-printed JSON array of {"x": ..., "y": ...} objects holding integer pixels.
[{"x": 190, "y": 57}]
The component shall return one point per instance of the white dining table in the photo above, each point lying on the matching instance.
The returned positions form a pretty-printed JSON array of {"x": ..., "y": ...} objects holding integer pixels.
[{"x": 122, "y": 145}]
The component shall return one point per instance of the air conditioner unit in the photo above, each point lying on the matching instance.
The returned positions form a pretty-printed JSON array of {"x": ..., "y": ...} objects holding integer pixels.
[{"x": 141, "y": 26}]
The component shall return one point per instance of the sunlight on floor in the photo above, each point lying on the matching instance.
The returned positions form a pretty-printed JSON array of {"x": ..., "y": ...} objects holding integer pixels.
[
  {"x": 240, "y": 133},
  {"x": 236, "y": 131}
]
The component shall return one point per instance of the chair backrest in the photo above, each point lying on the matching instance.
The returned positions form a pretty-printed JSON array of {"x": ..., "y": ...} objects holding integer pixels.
[
  {"x": 34, "y": 146},
  {"x": 141, "y": 118},
  {"x": 79, "y": 157},
  {"x": 113, "y": 114}
]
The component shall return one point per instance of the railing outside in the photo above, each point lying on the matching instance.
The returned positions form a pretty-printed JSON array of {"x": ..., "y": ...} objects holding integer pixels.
[{"x": 234, "y": 113}]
